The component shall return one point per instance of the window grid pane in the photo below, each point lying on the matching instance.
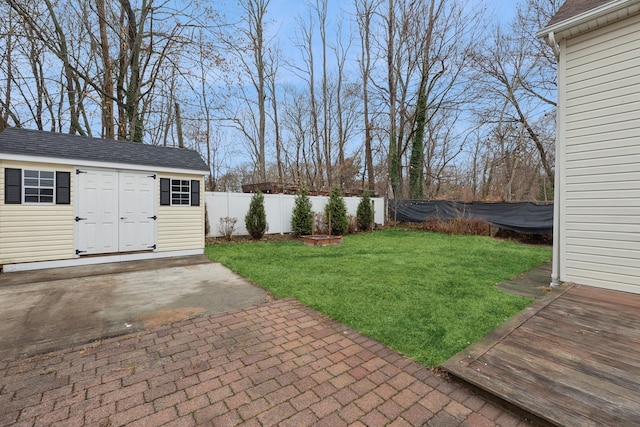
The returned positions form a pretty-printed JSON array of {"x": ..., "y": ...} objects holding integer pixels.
[
  {"x": 39, "y": 186},
  {"x": 180, "y": 192}
]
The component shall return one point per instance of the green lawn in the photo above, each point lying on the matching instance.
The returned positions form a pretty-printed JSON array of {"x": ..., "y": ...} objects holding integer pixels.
[{"x": 427, "y": 295}]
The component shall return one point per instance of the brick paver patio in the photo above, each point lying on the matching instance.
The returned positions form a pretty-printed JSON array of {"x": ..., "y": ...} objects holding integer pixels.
[{"x": 279, "y": 363}]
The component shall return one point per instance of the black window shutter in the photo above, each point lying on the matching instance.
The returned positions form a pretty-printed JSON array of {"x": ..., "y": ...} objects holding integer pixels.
[
  {"x": 12, "y": 186},
  {"x": 165, "y": 191},
  {"x": 63, "y": 188},
  {"x": 195, "y": 192}
]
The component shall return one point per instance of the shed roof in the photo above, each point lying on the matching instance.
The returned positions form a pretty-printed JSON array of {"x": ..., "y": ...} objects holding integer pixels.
[
  {"x": 573, "y": 8},
  {"x": 36, "y": 143}
]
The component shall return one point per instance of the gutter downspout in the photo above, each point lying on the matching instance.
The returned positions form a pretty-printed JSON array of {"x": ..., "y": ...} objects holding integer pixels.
[
  {"x": 555, "y": 262},
  {"x": 551, "y": 41}
]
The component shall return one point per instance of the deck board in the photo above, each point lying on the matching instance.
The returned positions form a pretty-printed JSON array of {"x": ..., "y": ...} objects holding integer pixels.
[
  {"x": 611, "y": 373},
  {"x": 571, "y": 358},
  {"x": 592, "y": 343},
  {"x": 581, "y": 351}
]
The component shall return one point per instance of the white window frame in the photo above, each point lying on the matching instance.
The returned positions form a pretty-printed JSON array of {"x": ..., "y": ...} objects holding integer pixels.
[
  {"x": 39, "y": 187},
  {"x": 180, "y": 196}
]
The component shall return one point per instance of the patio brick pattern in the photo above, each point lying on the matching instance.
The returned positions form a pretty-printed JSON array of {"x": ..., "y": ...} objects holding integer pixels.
[{"x": 278, "y": 363}]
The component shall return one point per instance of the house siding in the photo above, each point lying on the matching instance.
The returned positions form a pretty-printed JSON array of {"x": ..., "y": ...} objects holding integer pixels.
[
  {"x": 35, "y": 232},
  {"x": 181, "y": 227},
  {"x": 600, "y": 152}
]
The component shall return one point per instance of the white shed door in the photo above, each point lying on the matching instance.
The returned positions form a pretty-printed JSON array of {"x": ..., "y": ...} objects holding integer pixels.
[
  {"x": 115, "y": 211},
  {"x": 137, "y": 212}
]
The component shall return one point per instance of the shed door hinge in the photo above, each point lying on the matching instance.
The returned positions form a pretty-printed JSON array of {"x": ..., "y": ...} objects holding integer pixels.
[
  {"x": 78, "y": 252},
  {"x": 78, "y": 171},
  {"x": 153, "y": 217},
  {"x": 80, "y": 219},
  {"x": 152, "y": 246}
]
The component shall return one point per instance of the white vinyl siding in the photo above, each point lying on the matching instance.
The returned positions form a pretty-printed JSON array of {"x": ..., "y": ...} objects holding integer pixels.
[
  {"x": 181, "y": 227},
  {"x": 600, "y": 197},
  {"x": 35, "y": 232}
]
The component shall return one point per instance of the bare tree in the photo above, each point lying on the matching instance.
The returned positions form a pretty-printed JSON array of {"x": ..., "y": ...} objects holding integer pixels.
[
  {"x": 395, "y": 151},
  {"x": 320, "y": 9},
  {"x": 347, "y": 102},
  {"x": 306, "y": 71},
  {"x": 427, "y": 81},
  {"x": 56, "y": 42},
  {"x": 111, "y": 55},
  {"x": 300, "y": 157},
  {"x": 271, "y": 75},
  {"x": 245, "y": 42},
  {"x": 108, "y": 116},
  {"x": 518, "y": 70},
  {"x": 8, "y": 28},
  {"x": 365, "y": 13}
]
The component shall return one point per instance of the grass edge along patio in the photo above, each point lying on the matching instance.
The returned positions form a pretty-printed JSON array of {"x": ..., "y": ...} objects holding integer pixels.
[{"x": 427, "y": 295}]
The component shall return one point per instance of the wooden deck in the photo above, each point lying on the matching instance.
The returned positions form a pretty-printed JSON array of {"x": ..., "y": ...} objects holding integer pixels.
[
  {"x": 572, "y": 359},
  {"x": 533, "y": 284}
]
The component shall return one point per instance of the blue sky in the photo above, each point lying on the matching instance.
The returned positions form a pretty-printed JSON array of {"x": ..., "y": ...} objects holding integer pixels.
[
  {"x": 283, "y": 15},
  {"x": 285, "y": 11}
]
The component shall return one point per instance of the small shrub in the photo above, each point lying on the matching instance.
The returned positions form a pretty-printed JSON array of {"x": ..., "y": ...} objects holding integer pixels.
[
  {"x": 319, "y": 223},
  {"x": 364, "y": 213},
  {"x": 475, "y": 226},
  {"x": 302, "y": 217},
  {"x": 227, "y": 227},
  {"x": 353, "y": 224},
  {"x": 335, "y": 213},
  {"x": 207, "y": 227},
  {"x": 256, "y": 219}
]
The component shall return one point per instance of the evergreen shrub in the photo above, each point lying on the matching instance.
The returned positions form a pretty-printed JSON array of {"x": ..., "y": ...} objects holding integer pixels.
[
  {"x": 335, "y": 213},
  {"x": 256, "y": 219},
  {"x": 365, "y": 212},
  {"x": 301, "y": 216}
]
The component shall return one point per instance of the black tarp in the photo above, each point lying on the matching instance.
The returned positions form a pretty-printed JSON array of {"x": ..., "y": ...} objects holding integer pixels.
[{"x": 524, "y": 217}]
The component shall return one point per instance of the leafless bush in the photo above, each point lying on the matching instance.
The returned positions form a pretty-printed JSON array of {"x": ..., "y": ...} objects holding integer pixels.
[
  {"x": 352, "y": 222},
  {"x": 227, "y": 227},
  {"x": 475, "y": 226},
  {"x": 319, "y": 223}
]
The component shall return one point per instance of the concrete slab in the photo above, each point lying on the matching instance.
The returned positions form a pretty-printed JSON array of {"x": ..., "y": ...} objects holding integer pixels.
[{"x": 52, "y": 309}]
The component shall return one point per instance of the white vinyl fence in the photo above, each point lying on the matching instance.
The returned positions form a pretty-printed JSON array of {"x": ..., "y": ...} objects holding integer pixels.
[{"x": 278, "y": 208}]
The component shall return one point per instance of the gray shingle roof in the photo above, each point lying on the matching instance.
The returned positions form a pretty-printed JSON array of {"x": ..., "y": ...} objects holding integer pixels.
[
  {"x": 572, "y": 8},
  {"x": 41, "y": 144}
]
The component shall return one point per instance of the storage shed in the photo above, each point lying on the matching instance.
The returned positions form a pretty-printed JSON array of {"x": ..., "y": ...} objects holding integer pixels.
[
  {"x": 71, "y": 200},
  {"x": 597, "y": 209}
]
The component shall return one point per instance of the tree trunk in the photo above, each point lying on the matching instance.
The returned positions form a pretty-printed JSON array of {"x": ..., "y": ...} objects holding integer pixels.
[
  {"x": 108, "y": 130},
  {"x": 395, "y": 168}
]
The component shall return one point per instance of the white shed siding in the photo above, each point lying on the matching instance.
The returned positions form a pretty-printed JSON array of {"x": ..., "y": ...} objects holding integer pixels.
[
  {"x": 601, "y": 135},
  {"x": 181, "y": 227},
  {"x": 35, "y": 232}
]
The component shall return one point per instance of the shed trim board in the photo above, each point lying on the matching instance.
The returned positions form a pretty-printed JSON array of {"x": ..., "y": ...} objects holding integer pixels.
[
  {"x": 108, "y": 211},
  {"x": 597, "y": 222},
  {"x": 76, "y": 262},
  {"x": 94, "y": 164}
]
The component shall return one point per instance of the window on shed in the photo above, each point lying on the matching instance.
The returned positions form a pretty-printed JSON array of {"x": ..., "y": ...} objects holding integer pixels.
[
  {"x": 180, "y": 192},
  {"x": 38, "y": 186}
]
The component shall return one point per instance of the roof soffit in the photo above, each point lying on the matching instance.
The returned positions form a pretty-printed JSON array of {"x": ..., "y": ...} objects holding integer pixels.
[{"x": 591, "y": 19}]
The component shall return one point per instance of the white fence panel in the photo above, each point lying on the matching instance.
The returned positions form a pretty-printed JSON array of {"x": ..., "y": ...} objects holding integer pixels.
[{"x": 278, "y": 208}]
